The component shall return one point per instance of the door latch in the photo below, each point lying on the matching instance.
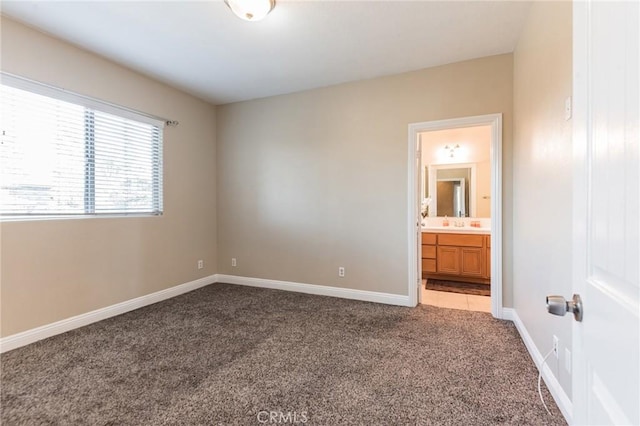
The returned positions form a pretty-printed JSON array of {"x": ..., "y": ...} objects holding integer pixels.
[{"x": 558, "y": 305}]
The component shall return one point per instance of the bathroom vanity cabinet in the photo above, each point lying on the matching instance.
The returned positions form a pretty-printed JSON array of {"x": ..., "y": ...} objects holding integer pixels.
[{"x": 456, "y": 257}]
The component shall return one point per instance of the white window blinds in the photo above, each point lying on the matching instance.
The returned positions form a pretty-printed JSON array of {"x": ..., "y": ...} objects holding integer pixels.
[{"x": 63, "y": 154}]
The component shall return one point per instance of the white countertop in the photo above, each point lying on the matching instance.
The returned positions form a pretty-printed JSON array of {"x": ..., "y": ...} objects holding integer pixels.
[{"x": 456, "y": 230}]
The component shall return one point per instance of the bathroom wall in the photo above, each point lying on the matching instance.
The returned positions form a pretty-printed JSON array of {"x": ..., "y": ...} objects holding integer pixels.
[
  {"x": 542, "y": 149},
  {"x": 55, "y": 269},
  {"x": 311, "y": 181},
  {"x": 475, "y": 147}
]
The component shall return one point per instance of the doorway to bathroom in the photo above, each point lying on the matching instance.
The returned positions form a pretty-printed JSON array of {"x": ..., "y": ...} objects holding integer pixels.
[{"x": 455, "y": 213}]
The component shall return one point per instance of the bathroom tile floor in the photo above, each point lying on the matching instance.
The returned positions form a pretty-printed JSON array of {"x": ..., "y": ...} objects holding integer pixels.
[{"x": 466, "y": 302}]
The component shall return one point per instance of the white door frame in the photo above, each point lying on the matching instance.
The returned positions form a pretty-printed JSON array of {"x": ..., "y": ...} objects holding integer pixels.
[{"x": 495, "y": 121}]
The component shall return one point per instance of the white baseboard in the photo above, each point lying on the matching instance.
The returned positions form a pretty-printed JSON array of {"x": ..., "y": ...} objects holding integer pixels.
[
  {"x": 30, "y": 336},
  {"x": 558, "y": 394},
  {"x": 345, "y": 293}
]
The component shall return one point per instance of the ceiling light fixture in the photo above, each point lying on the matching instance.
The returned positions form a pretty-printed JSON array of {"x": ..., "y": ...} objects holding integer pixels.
[
  {"x": 251, "y": 10},
  {"x": 452, "y": 149}
]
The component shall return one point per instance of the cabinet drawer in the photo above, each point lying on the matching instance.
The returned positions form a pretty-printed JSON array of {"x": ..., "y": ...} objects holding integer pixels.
[
  {"x": 428, "y": 252},
  {"x": 429, "y": 238},
  {"x": 460, "y": 240},
  {"x": 428, "y": 265}
]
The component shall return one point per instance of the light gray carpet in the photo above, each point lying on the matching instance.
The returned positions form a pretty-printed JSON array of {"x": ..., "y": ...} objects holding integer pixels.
[{"x": 222, "y": 354}]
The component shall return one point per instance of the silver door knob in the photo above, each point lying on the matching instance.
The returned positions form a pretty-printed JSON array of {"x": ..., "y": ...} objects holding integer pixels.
[{"x": 558, "y": 305}]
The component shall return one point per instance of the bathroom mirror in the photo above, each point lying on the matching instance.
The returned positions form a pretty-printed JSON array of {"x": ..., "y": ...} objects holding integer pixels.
[
  {"x": 452, "y": 189},
  {"x": 452, "y": 197}
]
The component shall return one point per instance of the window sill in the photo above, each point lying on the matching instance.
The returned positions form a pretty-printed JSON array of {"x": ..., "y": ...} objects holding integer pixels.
[{"x": 6, "y": 219}]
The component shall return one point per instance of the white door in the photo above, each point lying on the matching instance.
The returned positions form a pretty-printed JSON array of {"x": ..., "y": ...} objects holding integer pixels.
[{"x": 606, "y": 346}]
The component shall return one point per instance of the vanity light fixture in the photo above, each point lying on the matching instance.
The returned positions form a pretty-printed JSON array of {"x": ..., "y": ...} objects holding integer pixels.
[
  {"x": 251, "y": 10},
  {"x": 452, "y": 149}
]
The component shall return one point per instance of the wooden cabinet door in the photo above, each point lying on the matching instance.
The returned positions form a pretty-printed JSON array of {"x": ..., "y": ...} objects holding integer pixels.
[
  {"x": 448, "y": 260},
  {"x": 472, "y": 261}
]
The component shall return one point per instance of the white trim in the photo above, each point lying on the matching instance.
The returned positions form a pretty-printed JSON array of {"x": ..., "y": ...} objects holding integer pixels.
[
  {"x": 495, "y": 121},
  {"x": 320, "y": 290},
  {"x": 30, "y": 336},
  {"x": 414, "y": 218},
  {"x": 558, "y": 394},
  {"x": 509, "y": 314}
]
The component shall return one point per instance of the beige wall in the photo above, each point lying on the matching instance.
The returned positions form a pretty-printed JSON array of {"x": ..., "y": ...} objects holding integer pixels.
[
  {"x": 543, "y": 176},
  {"x": 311, "y": 181},
  {"x": 54, "y": 269}
]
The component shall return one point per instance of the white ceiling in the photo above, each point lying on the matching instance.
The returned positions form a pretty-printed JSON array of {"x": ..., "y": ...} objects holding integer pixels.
[{"x": 203, "y": 49}]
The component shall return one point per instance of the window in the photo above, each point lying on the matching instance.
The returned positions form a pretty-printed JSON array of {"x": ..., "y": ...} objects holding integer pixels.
[{"x": 62, "y": 154}]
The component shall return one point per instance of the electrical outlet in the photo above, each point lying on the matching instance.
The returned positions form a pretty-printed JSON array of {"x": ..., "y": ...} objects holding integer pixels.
[
  {"x": 555, "y": 346},
  {"x": 200, "y": 264},
  {"x": 341, "y": 272},
  {"x": 233, "y": 262},
  {"x": 567, "y": 360}
]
